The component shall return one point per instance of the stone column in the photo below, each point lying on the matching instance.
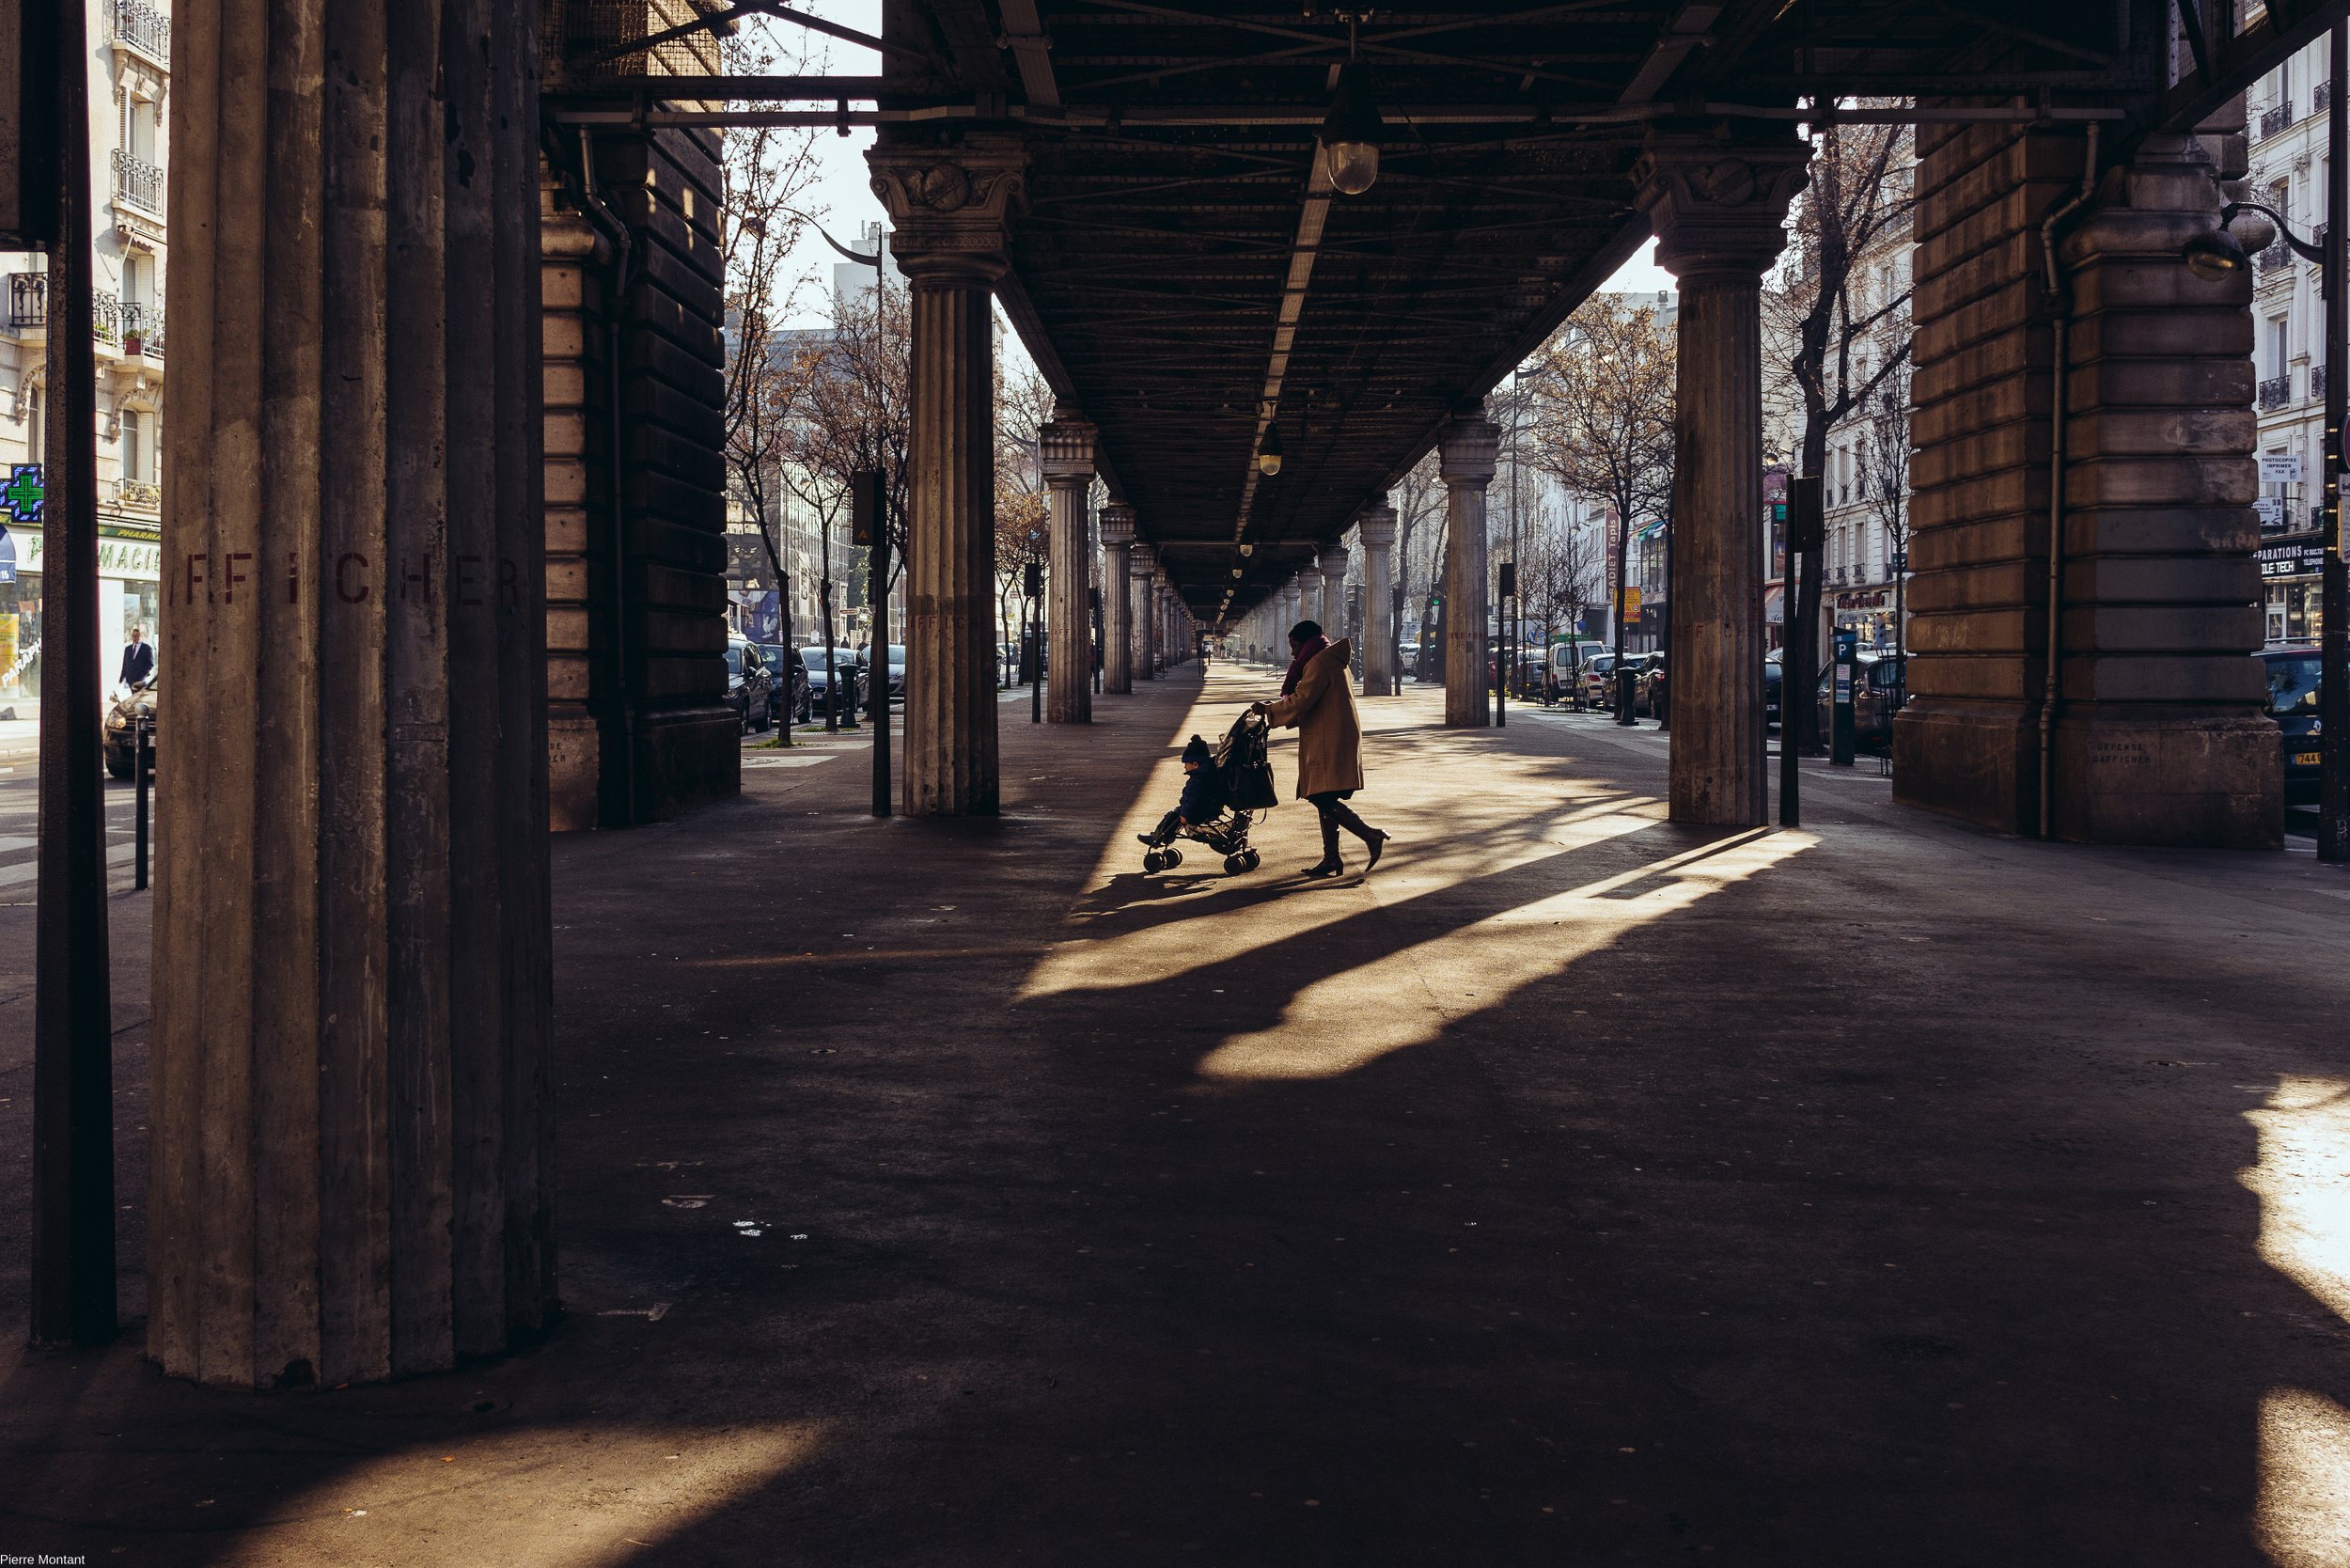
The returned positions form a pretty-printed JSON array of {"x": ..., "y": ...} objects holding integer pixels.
[
  {"x": 1117, "y": 653},
  {"x": 2158, "y": 735},
  {"x": 1716, "y": 205},
  {"x": 949, "y": 206},
  {"x": 1308, "y": 594},
  {"x": 1065, "y": 447},
  {"x": 349, "y": 1160},
  {"x": 1376, "y": 527},
  {"x": 1334, "y": 618},
  {"x": 1145, "y": 579},
  {"x": 1467, "y": 456}
]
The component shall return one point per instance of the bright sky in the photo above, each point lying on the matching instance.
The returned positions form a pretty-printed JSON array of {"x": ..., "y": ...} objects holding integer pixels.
[{"x": 845, "y": 201}]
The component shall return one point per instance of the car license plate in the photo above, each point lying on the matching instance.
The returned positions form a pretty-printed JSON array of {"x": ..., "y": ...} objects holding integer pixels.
[{"x": 2304, "y": 758}]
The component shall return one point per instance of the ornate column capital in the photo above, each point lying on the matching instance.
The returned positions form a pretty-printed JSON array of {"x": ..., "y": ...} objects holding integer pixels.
[
  {"x": 1334, "y": 563},
  {"x": 949, "y": 206},
  {"x": 1375, "y": 526},
  {"x": 1118, "y": 524},
  {"x": 1717, "y": 201},
  {"x": 1141, "y": 565},
  {"x": 1469, "y": 450},
  {"x": 1064, "y": 449}
]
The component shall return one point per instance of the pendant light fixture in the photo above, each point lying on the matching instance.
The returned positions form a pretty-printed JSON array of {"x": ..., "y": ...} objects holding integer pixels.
[{"x": 1351, "y": 131}]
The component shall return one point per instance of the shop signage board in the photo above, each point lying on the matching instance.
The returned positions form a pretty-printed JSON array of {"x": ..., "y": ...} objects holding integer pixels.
[
  {"x": 2281, "y": 469},
  {"x": 2301, "y": 558},
  {"x": 2270, "y": 509}
]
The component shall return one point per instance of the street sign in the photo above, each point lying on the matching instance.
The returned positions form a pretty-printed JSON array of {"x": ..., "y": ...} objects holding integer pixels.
[
  {"x": 2281, "y": 469},
  {"x": 2270, "y": 511},
  {"x": 1901, "y": 560}
]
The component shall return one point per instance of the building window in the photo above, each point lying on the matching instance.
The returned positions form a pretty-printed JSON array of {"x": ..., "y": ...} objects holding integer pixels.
[{"x": 133, "y": 447}]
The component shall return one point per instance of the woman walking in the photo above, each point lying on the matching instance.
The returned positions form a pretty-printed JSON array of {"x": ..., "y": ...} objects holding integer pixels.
[{"x": 1316, "y": 700}]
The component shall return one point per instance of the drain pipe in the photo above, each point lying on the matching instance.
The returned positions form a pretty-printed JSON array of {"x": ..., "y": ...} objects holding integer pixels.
[
  {"x": 2061, "y": 306},
  {"x": 615, "y": 294}
]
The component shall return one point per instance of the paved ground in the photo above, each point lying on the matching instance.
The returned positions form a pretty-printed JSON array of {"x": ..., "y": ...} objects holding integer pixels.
[{"x": 1574, "y": 1189}]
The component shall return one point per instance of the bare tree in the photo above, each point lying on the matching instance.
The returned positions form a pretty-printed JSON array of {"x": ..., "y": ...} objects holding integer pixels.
[
  {"x": 1421, "y": 549},
  {"x": 765, "y": 173},
  {"x": 1839, "y": 313},
  {"x": 1885, "y": 470},
  {"x": 852, "y": 414},
  {"x": 1606, "y": 391},
  {"x": 1023, "y": 514}
]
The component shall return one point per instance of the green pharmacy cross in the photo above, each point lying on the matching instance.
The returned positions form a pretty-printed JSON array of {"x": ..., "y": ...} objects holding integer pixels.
[{"x": 21, "y": 496}]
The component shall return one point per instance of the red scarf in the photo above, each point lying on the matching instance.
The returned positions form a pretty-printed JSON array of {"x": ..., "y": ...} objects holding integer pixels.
[{"x": 1297, "y": 666}]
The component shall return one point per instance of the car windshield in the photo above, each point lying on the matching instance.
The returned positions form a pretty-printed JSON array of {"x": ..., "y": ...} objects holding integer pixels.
[
  {"x": 2292, "y": 684},
  {"x": 1601, "y": 663},
  {"x": 734, "y": 658},
  {"x": 897, "y": 652}
]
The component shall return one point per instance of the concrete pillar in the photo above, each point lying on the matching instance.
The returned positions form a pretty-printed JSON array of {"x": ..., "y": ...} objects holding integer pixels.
[
  {"x": 2158, "y": 735},
  {"x": 1307, "y": 590},
  {"x": 1335, "y": 623},
  {"x": 949, "y": 207},
  {"x": 349, "y": 1174},
  {"x": 1376, "y": 527},
  {"x": 1717, "y": 206},
  {"x": 1118, "y": 653},
  {"x": 1145, "y": 579},
  {"x": 1065, "y": 447},
  {"x": 1467, "y": 456}
]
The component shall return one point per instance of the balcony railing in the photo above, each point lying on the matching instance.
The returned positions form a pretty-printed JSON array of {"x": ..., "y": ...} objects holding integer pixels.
[
  {"x": 2275, "y": 391},
  {"x": 2321, "y": 96},
  {"x": 143, "y": 329},
  {"x": 105, "y": 317},
  {"x": 138, "y": 183},
  {"x": 28, "y": 300},
  {"x": 2317, "y": 381},
  {"x": 144, "y": 28},
  {"x": 2276, "y": 255},
  {"x": 2278, "y": 118}
]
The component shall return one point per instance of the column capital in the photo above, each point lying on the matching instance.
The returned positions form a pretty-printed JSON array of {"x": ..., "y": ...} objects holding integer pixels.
[
  {"x": 1715, "y": 201},
  {"x": 1141, "y": 564},
  {"x": 1333, "y": 564},
  {"x": 1469, "y": 450},
  {"x": 949, "y": 206},
  {"x": 1118, "y": 524},
  {"x": 1064, "y": 448},
  {"x": 1375, "y": 526}
]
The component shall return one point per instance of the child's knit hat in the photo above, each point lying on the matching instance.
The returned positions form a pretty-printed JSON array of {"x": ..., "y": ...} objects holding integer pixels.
[{"x": 1196, "y": 752}]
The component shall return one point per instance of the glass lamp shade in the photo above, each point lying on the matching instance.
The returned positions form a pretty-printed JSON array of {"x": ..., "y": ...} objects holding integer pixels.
[
  {"x": 2215, "y": 255},
  {"x": 1350, "y": 133},
  {"x": 1353, "y": 165}
]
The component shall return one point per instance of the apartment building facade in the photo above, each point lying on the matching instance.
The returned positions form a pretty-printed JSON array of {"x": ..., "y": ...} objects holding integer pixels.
[{"x": 129, "y": 73}]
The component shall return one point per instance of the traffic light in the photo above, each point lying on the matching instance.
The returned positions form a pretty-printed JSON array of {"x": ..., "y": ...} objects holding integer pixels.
[
  {"x": 1032, "y": 581},
  {"x": 865, "y": 506}
]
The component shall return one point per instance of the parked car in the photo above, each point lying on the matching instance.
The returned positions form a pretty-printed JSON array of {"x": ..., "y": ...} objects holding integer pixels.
[
  {"x": 1599, "y": 673},
  {"x": 1877, "y": 696},
  {"x": 787, "y": 702},
  {"x": 897, "y": 670},
  {"x": 1773, "y": 683},
  {"x": 2293, "y": 679},
  {"x": 1648, "y": 682},
  {"x": 121, "y": 737},
  {"x": 749, "y": 689},
  {"x": 847, "y": 664}
]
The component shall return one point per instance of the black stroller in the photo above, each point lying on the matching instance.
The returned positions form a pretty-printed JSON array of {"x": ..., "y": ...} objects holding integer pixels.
[{"x": 1247, "y": 780}]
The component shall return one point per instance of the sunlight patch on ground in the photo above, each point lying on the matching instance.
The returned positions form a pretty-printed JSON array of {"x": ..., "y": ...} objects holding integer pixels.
[
  {"x": 2303, "y": 1179},
  {"x": 590, "y": 1497},
  {"x": 2303, "y": 1517},
  {"x": 1327, "y": 1031}
]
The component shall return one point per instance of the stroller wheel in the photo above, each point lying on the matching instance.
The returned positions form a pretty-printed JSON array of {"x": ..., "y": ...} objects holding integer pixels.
[
  {"x": 1252, "y": 859},
  {"x": 1235, "y": 864},
  {"x": 1154, "y": 861},
  {"x": 1174, "y": 857}
]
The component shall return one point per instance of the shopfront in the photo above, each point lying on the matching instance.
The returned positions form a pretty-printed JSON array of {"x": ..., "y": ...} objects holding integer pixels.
[
  {"x": 130, "y": 569},
  {"x": 2290, "y": 571}
]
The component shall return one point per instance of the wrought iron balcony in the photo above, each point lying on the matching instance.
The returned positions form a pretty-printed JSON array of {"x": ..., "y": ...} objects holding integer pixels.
[
  {"x": 2321, "y": 97},
  {"x": 105, "y": 316},
  {"x": 2277, "y": 120},
  {"x": 29, "y": 301},
  {"x": 143, "y": 330},
  {"x": 2317, "y": 381},
  {"x": 2276, "y": 391},
  {"x": 2275, "y": 257},
  {"x": 143, "y": 27},
  {"x": 138, "y": 183}
]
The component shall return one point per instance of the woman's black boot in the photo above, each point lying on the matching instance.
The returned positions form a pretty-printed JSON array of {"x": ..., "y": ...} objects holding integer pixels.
[{"x": 1330, "y": 864}]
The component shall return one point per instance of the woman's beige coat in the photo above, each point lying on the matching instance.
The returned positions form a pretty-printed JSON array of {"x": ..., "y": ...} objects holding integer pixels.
[{"x": 1329, "y": 736}]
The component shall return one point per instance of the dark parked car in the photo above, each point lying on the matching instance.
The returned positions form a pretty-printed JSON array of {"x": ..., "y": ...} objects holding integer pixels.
[
  {"x": 1648, "y": 683},
  {"x": 896, "y": 669},
  {"x": 789, "y": 699},
  {"x": 2293, "y": 703},
  {"x": 1774, "y": 682},
  {"x": 748, "y": 688},
  {"x": 121, "y": 739},
  {"x": 1877, "y": 696},
  {"x": 851, "y": 668}
]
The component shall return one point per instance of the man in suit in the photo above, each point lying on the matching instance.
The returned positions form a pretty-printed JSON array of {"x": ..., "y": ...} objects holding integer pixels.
[{"x": 138, "y": 659}]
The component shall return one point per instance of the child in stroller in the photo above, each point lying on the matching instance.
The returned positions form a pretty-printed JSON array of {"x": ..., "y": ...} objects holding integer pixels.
[{"x": 1206, "y": 812}]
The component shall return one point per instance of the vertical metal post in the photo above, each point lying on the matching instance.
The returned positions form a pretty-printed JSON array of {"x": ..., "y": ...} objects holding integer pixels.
[
  {"x": 1841, "y": 694},
  {"x": 142, "y": 765},
  {"x": 74, "y": 1155},
  {"x": 880, "y": 694},
  {"x": 2333, "y": 702}
]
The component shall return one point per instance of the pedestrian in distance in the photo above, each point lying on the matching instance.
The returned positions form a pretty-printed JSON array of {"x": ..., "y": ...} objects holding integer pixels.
[
  {"x": 1317, "y": 701},
  {"x": 138, "y": 659}
]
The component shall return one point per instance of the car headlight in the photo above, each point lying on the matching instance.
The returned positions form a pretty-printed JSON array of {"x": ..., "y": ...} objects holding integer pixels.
[{"x": 117, "y": 721}]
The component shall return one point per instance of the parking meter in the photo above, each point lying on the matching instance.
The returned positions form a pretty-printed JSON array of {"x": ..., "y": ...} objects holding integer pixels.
[{"x": 1847, "y": 669}]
